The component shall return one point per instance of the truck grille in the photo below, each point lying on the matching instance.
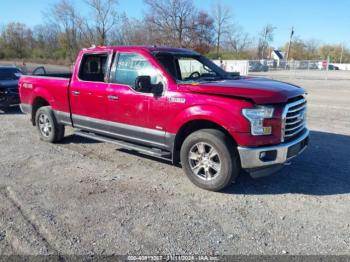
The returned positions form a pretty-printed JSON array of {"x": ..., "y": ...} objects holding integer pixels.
[
  {"x": 294, "y": 119},
  {"x": 13, "y": 90}
]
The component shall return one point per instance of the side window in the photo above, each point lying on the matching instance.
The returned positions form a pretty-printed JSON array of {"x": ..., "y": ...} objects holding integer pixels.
[
  {"x": 189, "y": 66},
  {"x": 93, "y": 67},
  {"x": 129, "y": 66}
]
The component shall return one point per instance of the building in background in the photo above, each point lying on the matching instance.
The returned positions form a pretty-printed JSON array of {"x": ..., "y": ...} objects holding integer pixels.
[{"x": 277, "y": 56}]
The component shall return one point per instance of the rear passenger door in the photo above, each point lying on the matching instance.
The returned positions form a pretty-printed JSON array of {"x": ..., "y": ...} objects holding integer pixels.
[{"x": 88, "y": 90}]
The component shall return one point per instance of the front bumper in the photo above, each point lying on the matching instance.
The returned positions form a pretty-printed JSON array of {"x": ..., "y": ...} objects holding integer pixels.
[
  {"x": 272, "y": 156},
  {"x": 9, "y": 99}
]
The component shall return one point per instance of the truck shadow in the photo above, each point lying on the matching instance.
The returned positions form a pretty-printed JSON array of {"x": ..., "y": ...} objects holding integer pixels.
[
  {"x": 74, "y": 139},
  {"x": 323, "y": 169},
  {"x": 137, "y": 154}
]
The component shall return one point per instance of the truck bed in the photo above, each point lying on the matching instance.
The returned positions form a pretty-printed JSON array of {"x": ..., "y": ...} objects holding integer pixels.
[
  {"x": 52, "y": 88},
  {"x": 58, "y": 75}
]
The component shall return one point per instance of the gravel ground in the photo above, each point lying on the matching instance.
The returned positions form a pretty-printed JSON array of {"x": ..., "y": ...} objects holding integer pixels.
[{"x": 85, "y": 197}]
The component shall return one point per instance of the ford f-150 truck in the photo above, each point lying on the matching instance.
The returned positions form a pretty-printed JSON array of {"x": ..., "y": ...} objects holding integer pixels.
[{"x": 173, "y": 104}]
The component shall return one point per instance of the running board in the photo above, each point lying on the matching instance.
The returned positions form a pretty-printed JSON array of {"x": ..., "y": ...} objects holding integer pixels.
[{"x": 154, "y": 152}]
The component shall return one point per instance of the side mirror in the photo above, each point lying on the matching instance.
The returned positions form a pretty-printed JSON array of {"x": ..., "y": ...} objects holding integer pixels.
[
  {"x": 143, "y": 84},
  {"x": 157, "y": 89},
  {"x": 39, "y": 71}
]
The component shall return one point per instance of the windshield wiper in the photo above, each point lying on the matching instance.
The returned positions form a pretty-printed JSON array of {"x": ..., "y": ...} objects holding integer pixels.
[{"x": 209, "y": 79}]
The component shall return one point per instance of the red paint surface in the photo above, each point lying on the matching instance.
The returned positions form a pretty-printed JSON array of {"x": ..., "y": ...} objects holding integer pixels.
[{"x": 220, "y": 102}]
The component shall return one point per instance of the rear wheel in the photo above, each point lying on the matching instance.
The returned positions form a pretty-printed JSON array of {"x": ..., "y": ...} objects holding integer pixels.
[
  {"x": 209, "y": 160},
  {"x": 49, "y": 129}
]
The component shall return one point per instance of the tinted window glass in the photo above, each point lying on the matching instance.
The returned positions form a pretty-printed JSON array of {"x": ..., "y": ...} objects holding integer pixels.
[
  {"x": 191, "y": 67},
  {"x": 39, "y": 71},
  {"x": 187, "y": 68},
  {"x": 93, "y": 67},
  {"x": 130, "y": 66}
]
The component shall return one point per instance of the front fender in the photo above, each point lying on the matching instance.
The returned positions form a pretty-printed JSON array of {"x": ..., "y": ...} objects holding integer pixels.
[{"x": 231, "y": 121}]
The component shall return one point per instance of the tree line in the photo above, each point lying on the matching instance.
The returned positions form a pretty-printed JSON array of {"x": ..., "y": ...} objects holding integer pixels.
[{"x": 177, "y": 23}]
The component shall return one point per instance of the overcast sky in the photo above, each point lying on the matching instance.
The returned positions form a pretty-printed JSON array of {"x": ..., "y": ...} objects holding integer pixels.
[{"x": 321, "y": 20}]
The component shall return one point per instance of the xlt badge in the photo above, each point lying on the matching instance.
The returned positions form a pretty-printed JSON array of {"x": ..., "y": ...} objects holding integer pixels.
[{"x": 177, "y": 100}]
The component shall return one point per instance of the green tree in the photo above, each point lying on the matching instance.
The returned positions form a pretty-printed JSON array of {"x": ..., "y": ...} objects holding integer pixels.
[
  {"x": 17, "y": 40},
  {"x": 332, "y": 51}
]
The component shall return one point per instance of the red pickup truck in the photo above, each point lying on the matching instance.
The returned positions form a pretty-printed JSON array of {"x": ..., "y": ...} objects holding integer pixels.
[{"x": 173, "y": 104}]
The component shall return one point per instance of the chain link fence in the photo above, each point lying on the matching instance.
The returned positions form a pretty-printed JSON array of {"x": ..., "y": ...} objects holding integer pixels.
[{"x": 303, "y": 69}]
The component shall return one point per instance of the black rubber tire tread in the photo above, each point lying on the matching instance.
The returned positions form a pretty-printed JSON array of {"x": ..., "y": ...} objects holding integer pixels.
[
  {"x": 58, "y": 130},
  {"x": 228, "y": 155}
]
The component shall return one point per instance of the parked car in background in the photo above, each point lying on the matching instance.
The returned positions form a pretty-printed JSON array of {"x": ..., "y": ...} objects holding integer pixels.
[
  {"x": 9, "y": 96},
  {"x": 255, "y": 66},
  {"x": 332, "y": 67},
  {"x": 174, "y": 104}
]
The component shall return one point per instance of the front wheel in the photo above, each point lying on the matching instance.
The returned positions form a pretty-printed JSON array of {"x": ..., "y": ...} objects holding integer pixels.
[
  {"x": 209, "y": 160},
  {"x": 49, "y": 129}
]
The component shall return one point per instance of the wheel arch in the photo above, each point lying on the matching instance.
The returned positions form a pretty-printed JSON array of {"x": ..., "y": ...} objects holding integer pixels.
[
  {"x": 192, "y": 126},
  {"x": 38, "y": 102}
]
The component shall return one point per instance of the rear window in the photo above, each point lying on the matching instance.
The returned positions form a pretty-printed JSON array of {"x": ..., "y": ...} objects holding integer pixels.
[{"x": 93, "y": 67}]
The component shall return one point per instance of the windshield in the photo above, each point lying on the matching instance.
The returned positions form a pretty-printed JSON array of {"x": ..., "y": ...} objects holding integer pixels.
[
  {"x": 188, "y": 68},
  {"x": 9, "y": 74}
]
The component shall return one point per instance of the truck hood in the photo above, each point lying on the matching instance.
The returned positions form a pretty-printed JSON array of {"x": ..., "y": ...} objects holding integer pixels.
[{"x": 260, "y": 90}]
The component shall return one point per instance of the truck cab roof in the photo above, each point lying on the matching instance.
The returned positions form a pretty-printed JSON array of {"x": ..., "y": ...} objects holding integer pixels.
[{"x": 150, "y": 49}]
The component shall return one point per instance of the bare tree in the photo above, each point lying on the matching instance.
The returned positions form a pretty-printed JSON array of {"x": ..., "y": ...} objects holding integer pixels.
[
  {"x": 64, "y": 15},
  {"x": 266, "y": 36},
  {"x": 222, "y": 23},
  {"x": 17, "y": 40},
  {"x": 173, "y": 19},
  {"x": 312, "y": 48},
  {"x": 130, "y": 32},
  {"x": 47, "y": 40},
  {"x": 238, "y": 40},
  {"x": 201, "y": 36},
  {"x": 105, "y": 18}
]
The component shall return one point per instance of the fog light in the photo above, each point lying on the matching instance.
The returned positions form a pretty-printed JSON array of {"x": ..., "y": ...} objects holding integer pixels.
[
  {"x": 267, "y": 156},
  {"x": 262, "y": 155}
]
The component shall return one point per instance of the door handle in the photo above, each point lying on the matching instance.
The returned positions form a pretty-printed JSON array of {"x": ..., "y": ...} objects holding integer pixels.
[
  {"x": 113, "y": 97},
  {"x": 76, "y": 93}
]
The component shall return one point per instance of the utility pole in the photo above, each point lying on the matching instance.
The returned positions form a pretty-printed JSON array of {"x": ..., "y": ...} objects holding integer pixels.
[
  {"x": 264, "y": 44},
  {"x": 290, "y": 43}
]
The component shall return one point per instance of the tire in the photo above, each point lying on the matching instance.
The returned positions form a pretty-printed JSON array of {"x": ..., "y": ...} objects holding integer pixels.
[
  {"x": 49, "y": 130},
  {"x": 192, "y": 156}
]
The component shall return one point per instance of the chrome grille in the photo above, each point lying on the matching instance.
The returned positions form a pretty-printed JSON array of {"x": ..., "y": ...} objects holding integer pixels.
[{"x": 293, "y": 119}]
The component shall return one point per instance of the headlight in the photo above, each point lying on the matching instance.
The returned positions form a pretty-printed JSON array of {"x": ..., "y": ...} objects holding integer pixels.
[{"x": 256, "y": 118}]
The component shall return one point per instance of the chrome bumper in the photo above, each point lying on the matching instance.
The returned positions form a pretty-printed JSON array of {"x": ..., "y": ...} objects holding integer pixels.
[{"x": 251, "y": 156}]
